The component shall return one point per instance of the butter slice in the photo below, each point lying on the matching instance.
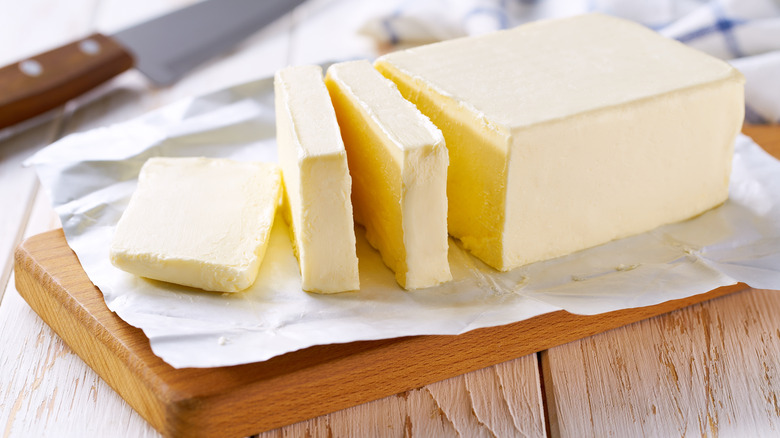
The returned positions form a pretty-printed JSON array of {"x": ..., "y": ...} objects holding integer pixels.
[
  {"x": 198, "y": 222},
  {"x": 570, "y": 133},
  {"x": 398, "y": 163},
  {"x": 316, "y": 181}
]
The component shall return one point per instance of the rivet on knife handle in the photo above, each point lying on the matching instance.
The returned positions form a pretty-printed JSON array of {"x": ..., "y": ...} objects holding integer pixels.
[{"x": 48, "y": 80}]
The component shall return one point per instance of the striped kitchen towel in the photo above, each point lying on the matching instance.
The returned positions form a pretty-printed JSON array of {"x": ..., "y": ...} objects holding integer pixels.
[{"x": 745, "y": 32}]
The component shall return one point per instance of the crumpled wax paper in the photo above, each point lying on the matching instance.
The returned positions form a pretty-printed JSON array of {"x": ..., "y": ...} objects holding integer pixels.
[{"x": 91, "y": 176}]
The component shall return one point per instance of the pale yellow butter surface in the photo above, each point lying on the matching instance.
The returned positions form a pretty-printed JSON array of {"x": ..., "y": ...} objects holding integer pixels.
[
  {"x": 567, "y": 134},
  {"x": 198, "y": 222},
  {"x": 398, "y": 162},
  {"x": 316, "y": 180}
]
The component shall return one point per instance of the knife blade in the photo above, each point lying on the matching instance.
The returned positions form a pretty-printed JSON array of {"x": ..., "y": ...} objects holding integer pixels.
[{"x": 164, "y": 49}]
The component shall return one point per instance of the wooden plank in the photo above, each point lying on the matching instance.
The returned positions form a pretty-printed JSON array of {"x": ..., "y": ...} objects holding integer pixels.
[
  {"x": 27, "y": 28},
  {"x": 17, "y": 190},
  {"x": 45, "y": 389},
  {"x": 706, "y": 370},
  {"x": 501, "y": 400},
  {"x": 289, "y": 388}
]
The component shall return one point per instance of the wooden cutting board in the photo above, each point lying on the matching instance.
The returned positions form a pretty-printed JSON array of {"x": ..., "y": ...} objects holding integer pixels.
[{"x": 248, "y": 399}]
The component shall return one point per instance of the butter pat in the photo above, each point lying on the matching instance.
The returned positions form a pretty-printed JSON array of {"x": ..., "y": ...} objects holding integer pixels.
[
  {"x": 316, "y": 181},
  {"x": 398, "y": 163},
  {"x": 568, "y": 134},
  {"x": 198, "y": 222}
]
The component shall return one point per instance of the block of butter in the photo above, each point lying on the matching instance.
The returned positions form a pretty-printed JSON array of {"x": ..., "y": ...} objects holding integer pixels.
[
  {"x": 570, "y": 133},
  {"x": 198, "y": 222},
  {"x": 317, "y": 184},
  {"x": 398, "y": 163}
]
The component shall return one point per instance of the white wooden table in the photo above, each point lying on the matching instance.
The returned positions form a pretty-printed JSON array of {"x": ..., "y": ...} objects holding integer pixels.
[{"x": 710, "y": 369}]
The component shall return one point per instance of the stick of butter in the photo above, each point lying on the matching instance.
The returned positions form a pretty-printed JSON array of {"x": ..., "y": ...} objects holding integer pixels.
[
  {"x": 398, "y": 162},
  {"x": 316, "y": 181},
  {"x": 198, "y": 222},
  {"x": 570, "y": 133}
]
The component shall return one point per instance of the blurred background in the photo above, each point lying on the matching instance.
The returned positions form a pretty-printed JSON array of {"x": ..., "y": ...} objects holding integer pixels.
[{"x": 744, "y": 31}]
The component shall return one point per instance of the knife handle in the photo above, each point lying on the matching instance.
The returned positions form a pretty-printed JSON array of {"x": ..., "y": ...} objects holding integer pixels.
[{"x": 48, "y": 80}]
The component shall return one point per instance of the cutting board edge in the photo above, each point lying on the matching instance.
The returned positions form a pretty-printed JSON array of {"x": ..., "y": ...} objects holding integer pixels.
[
  {"x": 176, "y": 413},
  {"x": 47, "y": 297}
]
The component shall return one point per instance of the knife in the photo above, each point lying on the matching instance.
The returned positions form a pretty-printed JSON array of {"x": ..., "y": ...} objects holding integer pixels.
[{"x": 164, "y": 49}]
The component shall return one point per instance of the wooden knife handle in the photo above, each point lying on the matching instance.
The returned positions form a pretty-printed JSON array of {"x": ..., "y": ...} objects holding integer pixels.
[{"x": 43, "y": 82}]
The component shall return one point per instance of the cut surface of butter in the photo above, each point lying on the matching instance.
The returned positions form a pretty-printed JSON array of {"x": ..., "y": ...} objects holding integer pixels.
[
  {"x": 398, "y": 163},
  {"x": 317, "y": 183},
  {"x": 570, "y": 133},
  {"x": 198, "y": 222}
]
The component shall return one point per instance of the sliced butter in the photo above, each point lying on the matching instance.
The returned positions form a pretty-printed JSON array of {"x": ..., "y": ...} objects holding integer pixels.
[
  {"x": 398, "y": 163},
  {"x": 198, "y": 222},
  {"x": 570, "y": 133},
  {"x": 316, "y": 181}
]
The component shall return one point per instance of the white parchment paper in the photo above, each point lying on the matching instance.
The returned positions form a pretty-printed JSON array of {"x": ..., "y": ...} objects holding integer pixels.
[{"x": 91, "y": 176}]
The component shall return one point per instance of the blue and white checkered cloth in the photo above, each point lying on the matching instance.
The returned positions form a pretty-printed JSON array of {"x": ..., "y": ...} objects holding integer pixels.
[{"x": 745, "y": 32}]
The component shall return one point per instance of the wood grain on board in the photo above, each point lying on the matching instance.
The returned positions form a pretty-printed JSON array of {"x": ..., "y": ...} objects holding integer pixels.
[
  {"x": 296, "y": 386},
  {"x": 503, "y": 400}
]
